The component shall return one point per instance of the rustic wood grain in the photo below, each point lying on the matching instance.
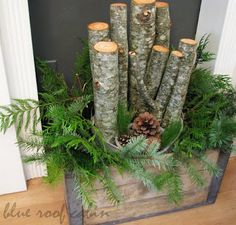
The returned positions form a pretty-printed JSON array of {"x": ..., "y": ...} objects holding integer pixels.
[
  {"x": 40, "y": 195},
  {"x": 139, "y": 201}
]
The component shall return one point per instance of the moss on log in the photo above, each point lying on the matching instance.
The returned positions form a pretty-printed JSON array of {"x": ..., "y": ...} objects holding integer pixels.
[
  {"x": 106, "y": 88},
  {"x": 168, "y": 82},
  {"x": 156, "y": 68},
  {"x": 142, "y": 36},
  {"x": 163, "y": 24},
  {"x": 118, "y": 14},
  {"x": 176, "y": 103}
]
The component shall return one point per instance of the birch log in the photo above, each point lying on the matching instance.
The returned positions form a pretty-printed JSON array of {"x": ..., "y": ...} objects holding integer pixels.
[
  {"x": 168, "y": 82},
  {"x": 142, "y": 36},
  {"x": 176, "y": 103},
  {"x": 118, "y": 14},
  {"x": 142, "y": 88},
  {"x": 97, "y": 31},
  {"x": 106, "y": 88},
  {"x": 163, "y": 24},
  {"x": 156, "y": 68}
]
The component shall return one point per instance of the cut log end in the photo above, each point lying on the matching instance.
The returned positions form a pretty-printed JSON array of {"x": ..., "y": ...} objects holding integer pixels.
[
  {"x": 106, "y": 46},
  {"x": 159, "y": 48},
  {"x": 98, "y": 26},
  {"x": 118, "y": 4},
  {"x": 177, "y": 54},
  {"x": 162, "y": 4},
  {"x": 144, "y": 2},
  {"x": 189, "y": 41}
]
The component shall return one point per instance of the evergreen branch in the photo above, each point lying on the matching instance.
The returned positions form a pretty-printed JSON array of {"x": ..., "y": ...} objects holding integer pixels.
[
  {"x": 34, "y": 142},
  {"x": 195, "y": 175},
  {"x": 110, "y": 187},
  {"x": 209, "y": 166},
  {"x": 83, "y": 188},
  {"x": 135, "y": 145}
]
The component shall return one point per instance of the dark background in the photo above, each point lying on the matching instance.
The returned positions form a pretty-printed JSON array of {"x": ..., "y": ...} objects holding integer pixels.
[{"x": 58, "y": 25}]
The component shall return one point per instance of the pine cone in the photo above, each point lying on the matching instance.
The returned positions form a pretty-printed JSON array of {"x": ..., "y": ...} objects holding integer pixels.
[
  {"x": 124, "y": 140},
  {"x": 146, "y": 124}
]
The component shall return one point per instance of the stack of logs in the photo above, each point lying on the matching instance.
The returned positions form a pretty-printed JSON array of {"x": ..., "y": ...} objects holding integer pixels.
[{"x": 143, "y": 74}]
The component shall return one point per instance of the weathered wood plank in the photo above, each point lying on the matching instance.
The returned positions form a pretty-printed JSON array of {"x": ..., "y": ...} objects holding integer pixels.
[
  {"x": 125, "y": 178},
  {"x": 143, "y": 208},
  {"x": 137, "y": 191}
]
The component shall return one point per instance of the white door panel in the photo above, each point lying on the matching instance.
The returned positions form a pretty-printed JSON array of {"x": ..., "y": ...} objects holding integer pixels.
[{"x": 12, "y": 177}]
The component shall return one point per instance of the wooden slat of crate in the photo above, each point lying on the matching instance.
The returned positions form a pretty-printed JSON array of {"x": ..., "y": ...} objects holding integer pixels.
[
  {"x": 137, "y": 191},
  {"x": 140, "y": 202},
  {"x": 141, "y": 209},
  {"x": 128, "y": 179}
]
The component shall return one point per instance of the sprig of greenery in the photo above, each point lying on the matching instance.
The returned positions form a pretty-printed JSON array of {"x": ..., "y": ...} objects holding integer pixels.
[
  {"x": 20, "y": 113},
  {"x": 124, "y": 119},
  {"x": 202, "y": 54}
]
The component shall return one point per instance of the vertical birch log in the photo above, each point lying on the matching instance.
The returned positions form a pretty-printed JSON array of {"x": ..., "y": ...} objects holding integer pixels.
[
  {"x": 97, "y": 31},
  {"x": 142, "y": 36},
  {"x": 118, "y": 14},
  {"x": 142, "y": 88},
  {"x": 168, "y": 82},
  {"x": 106, "y": 88},
  {"x": 156, "y": 68},
  {"x": 176, "y": 103},
  {"x": 163, "y": 24}
]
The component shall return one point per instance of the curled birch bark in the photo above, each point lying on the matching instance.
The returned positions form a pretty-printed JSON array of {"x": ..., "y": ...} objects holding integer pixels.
[
  {"x": 118, "y": 14},
  {"x": 106, "y": 88},
  {"x": 176, "y": 103},
  {"x": 168, "y": 81},
  {"x": 163, "y": 24},
  {"x": 142, "y": 36},
  {"x": 97, "y": 31},
  {"x": 156, "y": 68}
]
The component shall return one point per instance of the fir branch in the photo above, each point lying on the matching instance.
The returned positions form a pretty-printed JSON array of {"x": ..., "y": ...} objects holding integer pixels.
[
  {"x": 83, "y": 187},
  {"x": 209, "y": 166},
  {"x": 51, "y": 81},
  {"x": 113, "y": 194},
  {"x": 19, "y": 113}
]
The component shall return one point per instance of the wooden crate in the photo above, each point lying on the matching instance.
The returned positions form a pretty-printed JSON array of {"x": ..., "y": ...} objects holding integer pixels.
[{"x": 141, "y": 203}]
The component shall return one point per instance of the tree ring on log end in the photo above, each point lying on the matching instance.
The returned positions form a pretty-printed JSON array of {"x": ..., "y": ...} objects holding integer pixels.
[
  {"x": 144, "y": 2},
  {"x": 188, "y": 41},
  {"x": 160, "y": 48},
  {"x": 106, "y": 46},
  {"x": 98, "y": 26},
  {"x": 177, "y": 54},
  {"x": 119, "y": 4},
  {"x": 162, "y": 4}
]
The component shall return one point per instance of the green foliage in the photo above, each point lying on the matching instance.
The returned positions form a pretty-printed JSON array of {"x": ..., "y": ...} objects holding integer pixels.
[
  {"x": 51, "y": 80},
  {"x": 171, "y": 134},
  {"x": 69, "y": 141},
  {"x": 202, "y": 54},
  {"x": 83, "y": 75},
  {"x": 222, "y": 132},
  {"x": 124, "y": 119},
  {"x": 209, "y": 113},
  {"x": 20, "y": 113}
]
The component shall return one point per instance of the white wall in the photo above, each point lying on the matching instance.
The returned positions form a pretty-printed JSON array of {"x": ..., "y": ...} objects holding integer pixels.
[
  {"x": 15, "y": 35},
  {"x": 12, "y": 177},
  {"x": 218, "y": 17}
]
